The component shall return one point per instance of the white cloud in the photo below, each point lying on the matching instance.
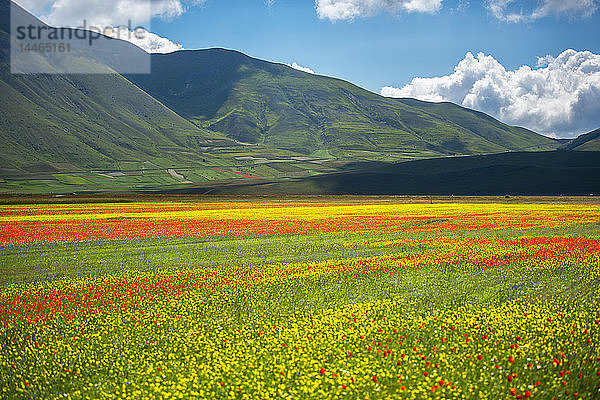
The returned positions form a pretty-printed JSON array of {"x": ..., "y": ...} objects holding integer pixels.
[
  {"x": 150, "y": 42},
  {"x": 106, "y": 12},
  {"x": 34, "y": 6},
  {"x": 349, "y": 9},
  {"x": 527, "y": 10},
  {"x": 300, "y": 68},
  {"x": 560, "y": 97},
  {"x": 100, "y": 15},
  {"x": 462, "y": 5}
]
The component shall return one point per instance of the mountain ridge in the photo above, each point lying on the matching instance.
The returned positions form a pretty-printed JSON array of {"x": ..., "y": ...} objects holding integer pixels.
[
  {"x": 270, "y": 103},
  {"x": 588, "y": 141},
  {"x": 88, "y": 120}
]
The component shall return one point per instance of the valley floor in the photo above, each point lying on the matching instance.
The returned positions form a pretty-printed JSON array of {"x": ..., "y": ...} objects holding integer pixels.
[{"x": 303, "y": 297}]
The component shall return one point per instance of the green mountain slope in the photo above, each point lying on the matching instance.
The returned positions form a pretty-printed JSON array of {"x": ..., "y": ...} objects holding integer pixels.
[
  {"x": 510, "y": 137},
  {"x": 272, "y": 104},
  {"x": 587, "y": 142},
  {"x": 87, "y": 120}
]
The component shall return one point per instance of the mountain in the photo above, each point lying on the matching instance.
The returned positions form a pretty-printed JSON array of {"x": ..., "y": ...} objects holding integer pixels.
[
  {"x": 210, "y": 116},
  {"x": 587, "y": 142},
  {"x": 509, "y": 137},
  {"x": 274, "y": 105},
  {"x": 89, "y": 121},
  {"x": 515, "y": 173}
]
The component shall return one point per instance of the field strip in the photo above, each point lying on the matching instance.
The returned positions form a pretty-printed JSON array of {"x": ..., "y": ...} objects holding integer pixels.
[{"x": 312, "y": 212}]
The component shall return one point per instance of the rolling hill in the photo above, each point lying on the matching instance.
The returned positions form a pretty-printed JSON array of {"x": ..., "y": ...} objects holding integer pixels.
[
  {"x": 586, "y": 142},
  {"x": 274, "y": 105},
  {"x": 86, "y": 120}
]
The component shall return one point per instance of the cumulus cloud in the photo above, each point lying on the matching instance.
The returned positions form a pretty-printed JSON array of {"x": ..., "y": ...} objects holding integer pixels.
[
  {"x": 105, "y": 12},
  {"x": 560, "y": 97},
  {"x": 148, "y": 41},
  {"x": 527, "y": 11},
  {"x": 300, "y": 68},
  {"x": 102, "y": 15},
  {"x": 349, "y": 9},
  {"x": 34, "y": 6}
]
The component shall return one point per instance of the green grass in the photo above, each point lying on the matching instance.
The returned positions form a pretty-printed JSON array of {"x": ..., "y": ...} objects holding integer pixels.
[
  {"x": 70, "y": 179},
  {"x": 54, "y": 260}
]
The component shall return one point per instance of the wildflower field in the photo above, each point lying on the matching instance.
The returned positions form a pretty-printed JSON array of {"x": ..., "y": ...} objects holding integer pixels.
[{"x": 300, "y": 300}]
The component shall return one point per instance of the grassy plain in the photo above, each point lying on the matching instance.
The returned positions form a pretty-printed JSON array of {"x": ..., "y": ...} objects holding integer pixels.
[{"x": 306, "y": 297}]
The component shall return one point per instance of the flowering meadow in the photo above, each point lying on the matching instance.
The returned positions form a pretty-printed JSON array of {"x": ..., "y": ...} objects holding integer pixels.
[{"x": 300, "y": 300}]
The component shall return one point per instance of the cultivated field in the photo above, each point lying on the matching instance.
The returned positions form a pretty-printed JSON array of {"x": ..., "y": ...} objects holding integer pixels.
[{"x": 345, "y": 298}]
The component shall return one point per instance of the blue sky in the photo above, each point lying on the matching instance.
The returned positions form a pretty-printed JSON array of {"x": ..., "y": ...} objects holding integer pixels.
[{"x": 385, "y": 49}]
